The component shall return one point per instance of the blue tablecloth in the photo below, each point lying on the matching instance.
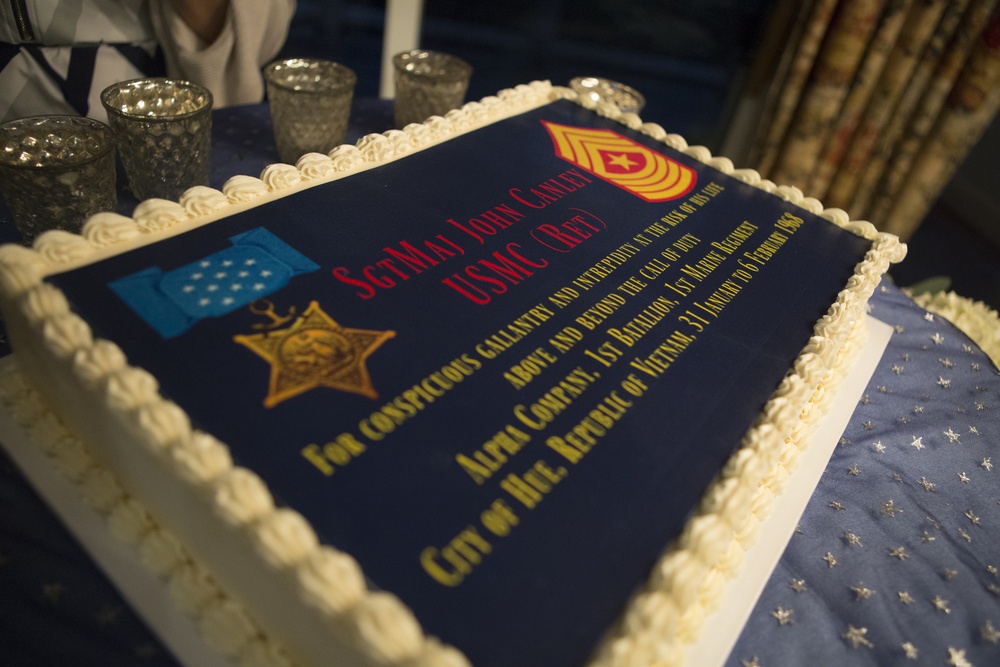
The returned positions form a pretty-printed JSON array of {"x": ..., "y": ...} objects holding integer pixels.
[{"x": 896, "y": 556}]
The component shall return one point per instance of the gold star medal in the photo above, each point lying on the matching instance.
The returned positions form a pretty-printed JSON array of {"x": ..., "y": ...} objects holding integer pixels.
[{"x": 313, "y": 352}]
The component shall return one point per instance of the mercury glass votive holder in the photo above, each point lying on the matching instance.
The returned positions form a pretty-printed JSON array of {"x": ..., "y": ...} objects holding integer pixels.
[
  {"x": 310, "y": 101},
  {"x": 428, "y": 83},
  {"x": 626, "y": 98},
  {"x": 163, "y": 128},
  {"x": 56, "y": 171}
]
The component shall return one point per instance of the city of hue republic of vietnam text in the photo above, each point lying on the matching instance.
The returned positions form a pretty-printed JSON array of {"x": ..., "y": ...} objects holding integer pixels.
[{"x": 651, "y": 253}]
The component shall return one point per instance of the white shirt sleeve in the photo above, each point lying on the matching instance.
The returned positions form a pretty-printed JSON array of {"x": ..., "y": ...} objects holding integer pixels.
[{"x": 254, "y": 32}]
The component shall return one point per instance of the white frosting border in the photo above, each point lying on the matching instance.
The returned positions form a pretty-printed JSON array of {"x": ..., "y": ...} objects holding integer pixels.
[
  {"x": 973, "y": 318},
  {"x": 686, "y": 583}
]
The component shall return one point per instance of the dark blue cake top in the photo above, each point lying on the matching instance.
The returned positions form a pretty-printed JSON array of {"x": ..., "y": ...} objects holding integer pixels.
[{"x": 500, "y": 372}]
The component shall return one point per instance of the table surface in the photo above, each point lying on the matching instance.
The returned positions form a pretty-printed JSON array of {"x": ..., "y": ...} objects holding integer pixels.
[
  {"x": 896, "y": 557},
  {"x": 242, "y": 143}
]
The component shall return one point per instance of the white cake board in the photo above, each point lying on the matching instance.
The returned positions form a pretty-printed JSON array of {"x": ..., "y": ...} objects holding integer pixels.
[
  {"x": 741, "y": 593},
  {"x": 150, "y": 598}
]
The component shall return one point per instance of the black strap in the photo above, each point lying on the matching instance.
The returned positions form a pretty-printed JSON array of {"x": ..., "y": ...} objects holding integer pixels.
[
  {"x": 75, "y": 86},
  {"x": 149, "y": 65},
  {"x": 79, "y": 79},
  {"x": 7, "y": 53}
]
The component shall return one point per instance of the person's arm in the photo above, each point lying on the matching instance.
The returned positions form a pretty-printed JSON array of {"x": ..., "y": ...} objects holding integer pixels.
[{"x": 206, "y": 18}]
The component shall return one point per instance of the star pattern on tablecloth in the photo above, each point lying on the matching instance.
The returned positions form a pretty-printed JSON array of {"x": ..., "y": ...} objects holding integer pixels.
[
  {"x": 889, "y": 509},
  {"x": 989, "y": 633},
  {"x": 108, "y": 614},
  {"x": 783, "y": 616},
  {"x": 956, "y": 658},
  {"x": 857, "y": 637},
  {"x": 862, "y": 592},
  {"x": 53, "y": 591},
  {"x": 908, "y": 504},
  {"x": 941, "y": 604}
]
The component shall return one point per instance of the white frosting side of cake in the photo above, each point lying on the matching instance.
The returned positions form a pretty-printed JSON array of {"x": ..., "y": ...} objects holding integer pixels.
[{"x": 266, "y": 568}]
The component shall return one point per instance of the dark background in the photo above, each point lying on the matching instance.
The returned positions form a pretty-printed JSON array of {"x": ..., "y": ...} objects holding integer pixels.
[{"x": 691, "y": 61}]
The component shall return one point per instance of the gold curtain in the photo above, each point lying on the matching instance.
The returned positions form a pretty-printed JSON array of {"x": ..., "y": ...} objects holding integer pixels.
[{"x": 875, "y": 103}]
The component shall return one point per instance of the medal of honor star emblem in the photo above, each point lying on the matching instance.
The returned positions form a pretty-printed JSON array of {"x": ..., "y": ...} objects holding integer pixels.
[
  {"x": 315, "y": 351},
  {"x": 320, "y": 353}
]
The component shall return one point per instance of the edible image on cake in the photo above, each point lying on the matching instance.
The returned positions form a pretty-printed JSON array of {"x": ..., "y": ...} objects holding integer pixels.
[
  {"x": 171, "y": 302},
  {"x": 616, "y": 159},
  {"x": 595, "y": 341},
  {"x": 315, "y": 351}
]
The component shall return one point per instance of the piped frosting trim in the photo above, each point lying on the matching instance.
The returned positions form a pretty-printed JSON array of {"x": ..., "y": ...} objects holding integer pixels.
[
  {"x": 106, "y": 234},
  {"x": 973, "y": 318},
  {"x": 687, "y": 582}
]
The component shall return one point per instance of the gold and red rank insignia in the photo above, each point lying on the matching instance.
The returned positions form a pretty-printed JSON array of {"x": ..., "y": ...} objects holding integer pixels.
[
  {"x": 313, "y": 352},
  {"x": 619, "y": 160}
]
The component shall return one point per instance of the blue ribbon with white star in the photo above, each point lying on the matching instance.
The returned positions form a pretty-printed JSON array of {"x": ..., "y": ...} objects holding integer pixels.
[{"x": 171, "y": 302}]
